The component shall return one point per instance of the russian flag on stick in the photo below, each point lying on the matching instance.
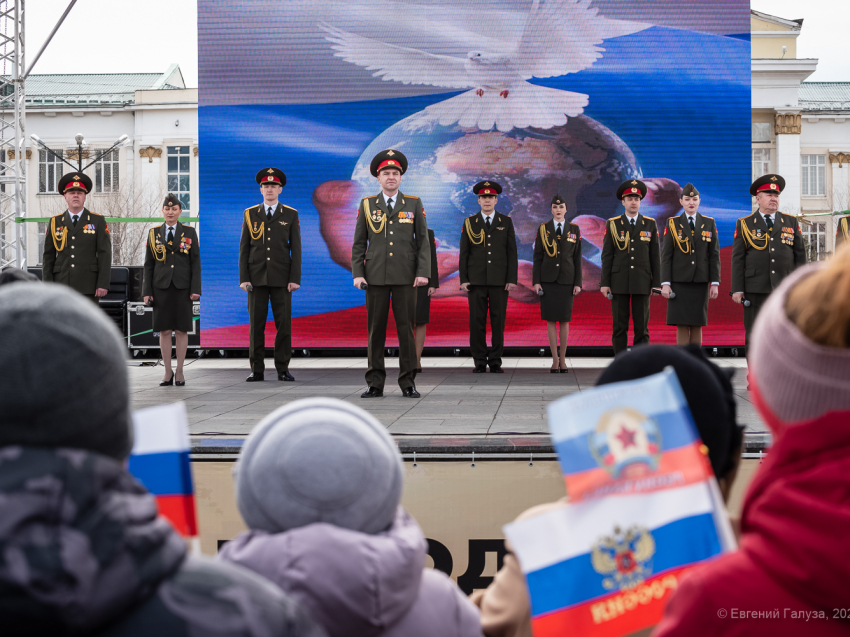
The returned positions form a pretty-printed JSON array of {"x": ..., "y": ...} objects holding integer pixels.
[
  {"x": 160, "y": 461},
  {"x": 630, "y": 437},
  {"x": 644, "y": 508}
]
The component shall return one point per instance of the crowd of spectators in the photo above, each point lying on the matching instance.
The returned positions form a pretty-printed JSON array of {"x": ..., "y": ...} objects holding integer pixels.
[{"x": 329, "y": 549}]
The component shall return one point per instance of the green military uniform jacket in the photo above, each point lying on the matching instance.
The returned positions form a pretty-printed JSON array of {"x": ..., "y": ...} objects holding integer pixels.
[
  {"x": 81, "y": 256},
  {"x": 391, "y": 249},
  {"x": 491, "y": 259},
  {"x": 631, "y": 261},
  {"x": 565, "y": 266},
  {"x": 760, "y": 271},
  {"x": 434, "y": 279},
  {"x": 178, "y": 263},
  {"x": 700, "y": 262},
  {"x": 842, "y": 235},
  {"x": 270, "y": 251}
]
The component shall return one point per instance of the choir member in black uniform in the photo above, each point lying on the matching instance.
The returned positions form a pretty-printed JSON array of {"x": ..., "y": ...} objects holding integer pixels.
[
  {"x": 172, "y": 282},
  {"x": 557, "y": 275},
  {"x": 423, "y": 303}
]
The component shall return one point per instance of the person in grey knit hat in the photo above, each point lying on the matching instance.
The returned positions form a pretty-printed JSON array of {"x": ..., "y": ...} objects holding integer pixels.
[
  {"x": 15, "y": 275},
  {"x": 83, "y": 548},
  {"x": 319, "y": 483}
]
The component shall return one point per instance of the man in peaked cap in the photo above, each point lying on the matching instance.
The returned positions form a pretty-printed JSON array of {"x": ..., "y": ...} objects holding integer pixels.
[
  {"x": 77, "y": 247},
  {"x": 488, "y": 272},
  {"x": 631, "y": 266},
  {"x": 767, "y": 247},
  {"x": 270, "y": 270},
  {"x": 690, "y": 268},
  {"x": 390, "y": 257}
]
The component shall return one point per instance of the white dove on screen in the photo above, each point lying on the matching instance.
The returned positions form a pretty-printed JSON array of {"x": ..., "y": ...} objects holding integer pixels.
[{"x": 559, "y": 37}]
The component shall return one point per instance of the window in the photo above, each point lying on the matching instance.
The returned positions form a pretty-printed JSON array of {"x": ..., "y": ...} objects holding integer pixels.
[
  {"x": 814, "y": 237},
  {"x": 178, "y": 174},
  {"x": 761, "y": 131},
  {"x": 761, "y": 162},
  {"x": 814, "y": 175},
  {"x": 49, "y": 171},
  {"x": 106, "y": 173}
]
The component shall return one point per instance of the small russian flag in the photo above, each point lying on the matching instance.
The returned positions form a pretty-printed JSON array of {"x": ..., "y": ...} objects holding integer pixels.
[{"x": 160, "y": 461}]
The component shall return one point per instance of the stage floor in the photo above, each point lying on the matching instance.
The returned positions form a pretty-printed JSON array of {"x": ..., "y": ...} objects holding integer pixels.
[{"x": 455, "y": 402}]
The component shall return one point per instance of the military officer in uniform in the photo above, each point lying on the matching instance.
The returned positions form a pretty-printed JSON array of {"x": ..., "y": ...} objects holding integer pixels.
[
  {"x": 767, "y": 247},
  {"x": 390, "y": 258},
  {"x": 631, "y": 266},
  {"x": 842, "y": 234},
  {"x": 172, "y": 283},
  {"x": 690, "y": 260},
  {"x": 270, "y": 270},
  {"x": 488, "y": 273},
  {"x": 77, "y": 248}
]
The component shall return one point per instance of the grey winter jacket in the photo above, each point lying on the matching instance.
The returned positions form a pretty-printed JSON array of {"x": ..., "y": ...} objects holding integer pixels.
[
  {"x": 82, "y": 551},
  {"x": 357, "y": 584}
]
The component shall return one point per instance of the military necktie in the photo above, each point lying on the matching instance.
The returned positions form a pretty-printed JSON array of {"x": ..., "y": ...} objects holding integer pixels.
[
  {"x": 558, "y": 231},
  {"x": 487, "y": 223},
  {"x": 170, "y": 235},
  {"x": 390, "y": 205},
  {"x": 269, "y": 214},
  {"x": 691, "y": 221},
  {"x": 632, "y": 221},
  {"x": 768, "y": 219},
  {"x": 74, "y": 220}
]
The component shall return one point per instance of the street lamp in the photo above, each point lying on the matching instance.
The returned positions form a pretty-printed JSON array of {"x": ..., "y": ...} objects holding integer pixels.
[{"x": 81, "y": 141}]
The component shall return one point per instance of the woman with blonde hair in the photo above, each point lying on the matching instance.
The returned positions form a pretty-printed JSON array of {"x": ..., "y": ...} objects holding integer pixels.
[{"x": 793, "y": 564}]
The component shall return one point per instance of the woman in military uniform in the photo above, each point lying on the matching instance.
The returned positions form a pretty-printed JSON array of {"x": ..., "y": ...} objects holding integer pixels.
[
  {"x": 172, "y": 282},
  {"x": 423, "y": 303},
  {"x": 557, "y": 278}
]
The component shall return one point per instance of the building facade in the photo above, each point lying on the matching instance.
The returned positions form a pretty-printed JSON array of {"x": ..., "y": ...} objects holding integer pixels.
[
  {"x": 156, "y": 111},
  {"x": 800, "y": 130}
]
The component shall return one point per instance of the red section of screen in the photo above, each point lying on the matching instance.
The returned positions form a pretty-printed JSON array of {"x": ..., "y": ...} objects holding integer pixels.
[{"x": 449, "y": 325}]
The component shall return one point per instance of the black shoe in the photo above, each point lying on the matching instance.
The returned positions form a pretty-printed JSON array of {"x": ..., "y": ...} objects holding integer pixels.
[
  {"x": 479, "y": 369},
  {"x": 169, "y": 382},
  {"x": 496, "y": 369},
  {"x": 254, "y": 377},
  {"x": 553, "y": 371},
  {"x": 565, "y": 370},
  {"x": 372, "y": 392},
  {"x": 410, "y": 392},
  {"x": 180, "y": 383},
  {"x": 285, "y": 376}
]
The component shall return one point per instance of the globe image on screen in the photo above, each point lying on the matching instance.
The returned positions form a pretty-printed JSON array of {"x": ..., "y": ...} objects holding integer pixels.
[{"x": 583, "y": 161}]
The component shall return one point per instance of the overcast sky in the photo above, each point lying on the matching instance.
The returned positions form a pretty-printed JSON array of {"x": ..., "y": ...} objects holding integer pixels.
[{"x": 115, "y": 36}]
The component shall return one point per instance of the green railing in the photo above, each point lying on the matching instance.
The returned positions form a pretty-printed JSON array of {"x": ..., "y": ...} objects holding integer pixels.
[{"x": 111, "y": 219}]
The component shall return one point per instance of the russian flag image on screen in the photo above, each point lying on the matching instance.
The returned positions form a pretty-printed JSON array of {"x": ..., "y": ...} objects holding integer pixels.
[
  {"x": 160, "y": 461},
  {"x": 606, "y": 567},
  {"x": 631, "y": 437}
]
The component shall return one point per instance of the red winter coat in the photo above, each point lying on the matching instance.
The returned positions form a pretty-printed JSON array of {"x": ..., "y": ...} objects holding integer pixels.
[{"x": 793, "y": 566}]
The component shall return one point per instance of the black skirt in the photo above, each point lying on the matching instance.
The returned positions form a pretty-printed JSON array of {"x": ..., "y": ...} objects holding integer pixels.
[
  {"x": 556, "y": 304},
  {"x": 172, "y": 309},
  {"x": 690, "y": 307},
  {"x": 423, "y": 306}
]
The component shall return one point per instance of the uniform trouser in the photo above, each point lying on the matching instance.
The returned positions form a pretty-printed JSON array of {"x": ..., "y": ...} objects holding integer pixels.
[
  {"x": 481, "y": 299},
  {"x": 750, "y": 314},
  {"x": 258, "y": 313},
  {"x": 403, "y": 298},
  {"x": 640, "y": 318}
]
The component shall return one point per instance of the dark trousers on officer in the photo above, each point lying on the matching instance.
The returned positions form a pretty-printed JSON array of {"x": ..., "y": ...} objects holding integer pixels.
[
  {"x": 484, "y": 298},
  {"x": 403, "y": 299},
  {"x": 640, "y": 318},
  {"x": 750, "y": 314},
  {"x": 258, "y": 312}
]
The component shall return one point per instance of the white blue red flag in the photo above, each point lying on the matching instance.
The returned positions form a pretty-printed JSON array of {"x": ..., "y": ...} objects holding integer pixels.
[
  {"x": 644, "y": 508},
  {"x": 160, "y": 461}
]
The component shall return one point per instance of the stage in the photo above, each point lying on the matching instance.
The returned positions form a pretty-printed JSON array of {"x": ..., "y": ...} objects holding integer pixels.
[{"x": 458, "y": 410}]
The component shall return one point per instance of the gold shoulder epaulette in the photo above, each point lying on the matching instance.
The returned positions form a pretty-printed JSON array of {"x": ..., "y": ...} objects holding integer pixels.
[
  {"x": 252, "y": 208},
  {"x": 411, "y": 197},
  {"x": 95, "y": 213},
  {"x": 61, "y": 214},
  {"x": 707, "y": 217},
  {"x": 748, "y": 216},
  {"x": 289, "y": 207},
  {"x": 369, "y": 197}
]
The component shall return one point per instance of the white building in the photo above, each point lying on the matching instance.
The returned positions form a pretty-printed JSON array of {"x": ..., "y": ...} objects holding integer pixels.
[
  {"x": 157, "y": 112},
  {"x": 801, "y": 130}
]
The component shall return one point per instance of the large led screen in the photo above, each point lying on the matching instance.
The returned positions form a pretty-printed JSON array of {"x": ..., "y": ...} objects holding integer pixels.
[{"x": 543, "y": 96}]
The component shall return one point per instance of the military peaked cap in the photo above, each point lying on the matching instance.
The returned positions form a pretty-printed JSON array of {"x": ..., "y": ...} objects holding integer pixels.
[
  {"x": 74, "y": 181},
  {"x": 487, "y": 189},
  {"x": 271, "y": 176},
  {"x": 631, "y": 187},
  {"x": 771, "y": 183},
  {"x": 388, "y": 159}
]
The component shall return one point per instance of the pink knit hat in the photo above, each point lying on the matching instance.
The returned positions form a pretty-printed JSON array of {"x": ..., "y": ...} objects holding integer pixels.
[{"x": 795, "y": 380}]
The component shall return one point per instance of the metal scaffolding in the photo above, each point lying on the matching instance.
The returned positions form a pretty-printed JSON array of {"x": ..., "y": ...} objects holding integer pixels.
[{"x": 13, "y": 192}]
